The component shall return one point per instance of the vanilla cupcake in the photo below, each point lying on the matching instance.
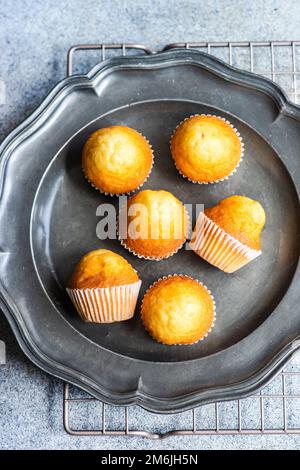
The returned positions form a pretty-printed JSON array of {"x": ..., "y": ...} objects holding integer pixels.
[
  {"x": 178, "y": 310},
  {"x": 228, "y": 234},
  {"x": 104, "y": 287},
  {"x": 117, "y": 160},
  {"x": 206, "y": 149},
  {"x": 156, "y": 225}
]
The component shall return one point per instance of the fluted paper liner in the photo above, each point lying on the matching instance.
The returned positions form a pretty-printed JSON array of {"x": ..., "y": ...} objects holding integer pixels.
[
  {"x": 150, "y": 258},
  {"x": 219, "y": 248},
  {"x": 214, "y": 310},
  {"x": 106, "y": 304},
  {"x": 220, "y": 179}
]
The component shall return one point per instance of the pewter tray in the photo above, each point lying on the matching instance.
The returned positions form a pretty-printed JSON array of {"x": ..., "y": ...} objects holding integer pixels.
[{"x": 48, "y": 220}]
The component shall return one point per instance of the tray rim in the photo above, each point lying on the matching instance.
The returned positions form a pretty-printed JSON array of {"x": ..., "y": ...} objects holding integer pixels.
[
  {"x": 16, "y": 137},
  {"x": 157, "y": 60},
  {"x": 238, "y": 390}
]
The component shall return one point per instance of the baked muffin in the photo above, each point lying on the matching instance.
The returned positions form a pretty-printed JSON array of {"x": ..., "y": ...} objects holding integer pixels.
[
  {"x": 206, "y": 149},
  {"x": 228, "y": 234},
  {"x": 117, "y": 159},
  {"x": 104, "y": 287},
  {"x": 178, "y": 310},
  {"x": 156, "y": 224}
]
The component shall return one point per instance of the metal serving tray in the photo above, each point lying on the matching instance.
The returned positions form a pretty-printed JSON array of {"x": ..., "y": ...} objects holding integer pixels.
[{"x": 48, "y": 220}]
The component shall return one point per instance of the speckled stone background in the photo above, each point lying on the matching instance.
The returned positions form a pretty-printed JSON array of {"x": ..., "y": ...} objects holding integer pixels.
[{"x": 34, "y": 39}]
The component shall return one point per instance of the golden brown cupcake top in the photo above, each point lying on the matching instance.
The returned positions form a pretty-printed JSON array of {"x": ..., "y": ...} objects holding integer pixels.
[
  {"x": 157, "y": 223},
  {"x": 206, "y": 148},
  {"x": 102, "y": 268},
  {"x": 177, "y": 310},
  {"x": 241, "y": 217},
  {"x": 117, "y": 159}
]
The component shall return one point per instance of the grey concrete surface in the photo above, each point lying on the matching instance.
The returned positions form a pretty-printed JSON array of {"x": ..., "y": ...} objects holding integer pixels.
[{"x": 34, "y": 38}]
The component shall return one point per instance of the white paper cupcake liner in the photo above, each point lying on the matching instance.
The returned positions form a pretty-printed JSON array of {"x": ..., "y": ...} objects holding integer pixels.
[
  {"x": 150, "y": 258},
  {"x": 219, "y": 248},
  {"x": 133, "y": 190},
  {"x": 153, "y": 258},
  {"x": 106, "y": 304},
  {"x": 233, "y": 171},
  {"x": 214, "y": 309}
]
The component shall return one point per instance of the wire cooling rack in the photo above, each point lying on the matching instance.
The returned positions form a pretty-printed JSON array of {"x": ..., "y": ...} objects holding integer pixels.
[{"x": 276, "y": 408}]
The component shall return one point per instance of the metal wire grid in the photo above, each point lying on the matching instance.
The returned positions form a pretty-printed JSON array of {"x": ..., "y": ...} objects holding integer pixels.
[
  {"x": 279, "y": 61},
  {"x": 274, "y": 410}
]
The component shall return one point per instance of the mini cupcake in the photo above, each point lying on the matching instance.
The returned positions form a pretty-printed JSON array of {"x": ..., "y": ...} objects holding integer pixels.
[
  {"x": 104, "y": 287},
  {"x": 156, "y": 223},
  {"x": 178, "y": 310},
  {"x": 228, "y": 234},
  {"x": 117, "y": 160},
  {"x": 206, "y": 149}
]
